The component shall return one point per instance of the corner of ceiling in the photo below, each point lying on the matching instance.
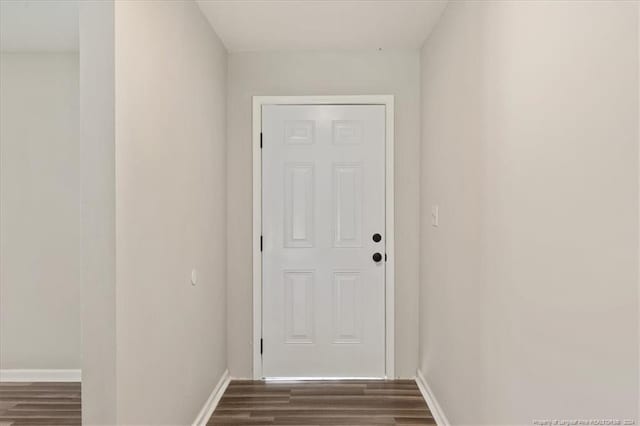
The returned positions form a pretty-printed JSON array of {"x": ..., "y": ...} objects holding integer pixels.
[{"x": 436, "y": 21}]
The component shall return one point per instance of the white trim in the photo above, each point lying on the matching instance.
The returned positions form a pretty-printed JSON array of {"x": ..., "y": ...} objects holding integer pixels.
[
  {"x": 638, "y": 188},
  {"x": 432, "y": 402},
  {"x": 390, "y": 238},
  {"x": 388, "y": 102},
  {"x": 40, "y": 375},
  {"x": 212, "y": 402},
  {"x": 257, "y": 233}
]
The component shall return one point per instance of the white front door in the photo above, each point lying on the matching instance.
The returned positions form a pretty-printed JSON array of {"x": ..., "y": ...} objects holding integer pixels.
[{"x": 323, "y": 221}]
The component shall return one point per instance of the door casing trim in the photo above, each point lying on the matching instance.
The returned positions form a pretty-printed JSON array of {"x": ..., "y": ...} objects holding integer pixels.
[{"x": 388, "y": 102}]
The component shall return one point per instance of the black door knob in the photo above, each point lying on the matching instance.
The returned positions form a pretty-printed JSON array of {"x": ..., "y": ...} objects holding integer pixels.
[
  {"x": 377, "y": 238},
  {"x": 377, "y": 257}
]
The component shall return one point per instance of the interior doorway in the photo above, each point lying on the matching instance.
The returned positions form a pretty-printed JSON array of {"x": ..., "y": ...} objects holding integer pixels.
[{"x": 323, "y": 283}]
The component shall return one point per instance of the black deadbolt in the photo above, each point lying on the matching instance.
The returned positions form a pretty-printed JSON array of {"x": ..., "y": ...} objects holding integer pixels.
[
  {"x": 377, "y": 238},
  {"x": 377, "y": 257}
]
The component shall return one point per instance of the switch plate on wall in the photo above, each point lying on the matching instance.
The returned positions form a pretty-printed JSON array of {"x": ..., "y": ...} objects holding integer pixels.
[{"x": 435, "y": 212}]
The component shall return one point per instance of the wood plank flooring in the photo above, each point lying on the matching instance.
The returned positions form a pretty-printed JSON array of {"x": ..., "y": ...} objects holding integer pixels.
[
  {"x": 40, "y": 404},
  {"x": 352, "y": 402}
]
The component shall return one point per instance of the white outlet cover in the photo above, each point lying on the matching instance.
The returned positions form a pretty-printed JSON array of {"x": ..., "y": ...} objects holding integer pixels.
[{"x": 194, "y": 277}]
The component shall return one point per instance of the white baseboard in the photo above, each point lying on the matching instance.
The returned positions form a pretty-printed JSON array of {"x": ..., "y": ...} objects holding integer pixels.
[
  {"x": 212, "y": 401},
  {"x": 432, "y": 402},
  {"x": 40, "y": 375}
]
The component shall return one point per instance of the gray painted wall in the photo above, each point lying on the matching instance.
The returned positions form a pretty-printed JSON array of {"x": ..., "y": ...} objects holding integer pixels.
[
  {"x": 323, "y": 73},
  {"x": 39, "y": 211},
  {"x": 170, "y": 211}
]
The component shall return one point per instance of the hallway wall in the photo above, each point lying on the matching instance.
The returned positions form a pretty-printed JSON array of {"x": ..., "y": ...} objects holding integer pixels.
[
  {"x": 97, "y": 224},
  {"x": 154, "y": 208},
  {"x": 323, "y": 73},
  {"x": 170, "y": 211},
  {"x": 39, "y": 211},
  {"x": 529, "y": 285}
]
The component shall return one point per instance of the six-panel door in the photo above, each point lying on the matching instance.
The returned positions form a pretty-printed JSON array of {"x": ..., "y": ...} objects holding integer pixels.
[{"x": 323, "y": 199}]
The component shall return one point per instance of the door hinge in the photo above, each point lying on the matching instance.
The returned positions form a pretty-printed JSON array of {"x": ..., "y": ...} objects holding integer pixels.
[
  {"x": 260, "y": 140},
  {"x": 385, "y": 257},
  {"x": 261, "y": 346},
  {"x": 260, "y": 242}
]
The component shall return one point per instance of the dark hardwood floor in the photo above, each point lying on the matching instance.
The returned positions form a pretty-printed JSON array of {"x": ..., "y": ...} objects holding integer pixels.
[
  {"x": 352, "y": 402},
  {"x": 39, "y": 404}
]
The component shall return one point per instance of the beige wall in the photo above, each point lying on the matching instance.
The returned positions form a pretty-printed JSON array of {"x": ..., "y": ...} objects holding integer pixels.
[
  {"x": 170, "y": 211},
  {"x": 322, "y": 73},
  {"x": 529, "y": 294},
  {"x": 39, "y": 211}
]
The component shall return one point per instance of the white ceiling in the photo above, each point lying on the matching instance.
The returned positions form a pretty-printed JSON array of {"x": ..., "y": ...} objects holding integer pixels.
[
  {"x": 255, "y": 25},
  {"x": 246, "y": 25},
  {"x": 38, "y": 25}
]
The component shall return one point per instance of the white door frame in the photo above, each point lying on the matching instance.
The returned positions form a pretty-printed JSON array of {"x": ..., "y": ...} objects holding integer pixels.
[{"x": 388, "y": 101}]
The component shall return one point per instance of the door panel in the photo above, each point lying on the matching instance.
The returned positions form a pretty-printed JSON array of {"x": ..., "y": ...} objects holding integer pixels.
[
  {"x": 299, "y": 205},
  {"x": 323, "y": 195},
  {"x": 347, "y": 203},
  {"x": 299, "y": 306},
  {"x": 347, "y": 318}
]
